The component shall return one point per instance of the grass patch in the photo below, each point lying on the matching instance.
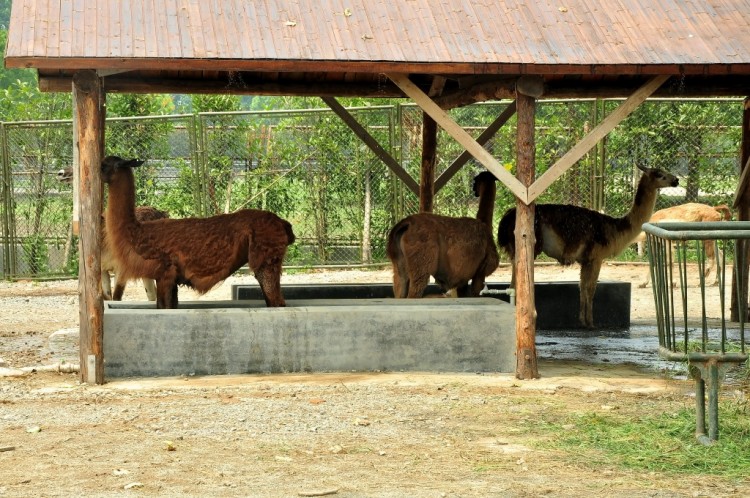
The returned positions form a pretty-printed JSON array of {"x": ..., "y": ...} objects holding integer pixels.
[{"x": 662, "y": 442}]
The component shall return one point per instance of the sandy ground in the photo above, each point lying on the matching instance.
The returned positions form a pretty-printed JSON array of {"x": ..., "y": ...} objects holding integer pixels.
[{"x": 346, "y": 434}]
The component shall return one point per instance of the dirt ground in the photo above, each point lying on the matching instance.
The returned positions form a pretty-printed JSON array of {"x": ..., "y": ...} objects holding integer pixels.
[{"x": 345, "y": 434}]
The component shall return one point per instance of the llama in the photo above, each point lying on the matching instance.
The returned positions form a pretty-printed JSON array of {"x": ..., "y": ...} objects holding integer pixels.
[
  {"x": 108, "y": 261},
  {"x": 691, "y": 212},
  {"x": 452, "y": 250},
  {"x": 195, "y": 252},
  {"x": 575, "y": 234}
]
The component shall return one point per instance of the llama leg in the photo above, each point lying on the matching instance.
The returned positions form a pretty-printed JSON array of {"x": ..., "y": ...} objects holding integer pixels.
[
  {"x": 163, "y": 295},
  {"x": 400, "y": 281},
  {"x": 269, "y": 278},
  {"x": 175, "y": 302},
  {"x": 418, "y": 284},
  {"x": 106, "y": 286},
  {"x": 119, "y": 290},
  {"x": 466, "y": 290},
  {"x": 589, "y": 276},
  {"x": 645, "y": 283},
  {"x": 477, "y": 284},
  {"x": 166, "y": 289},
  {"x": 712, "y": 260},
  {"x": 719, "y": 255},
  {"x": 150, "y": 287}
]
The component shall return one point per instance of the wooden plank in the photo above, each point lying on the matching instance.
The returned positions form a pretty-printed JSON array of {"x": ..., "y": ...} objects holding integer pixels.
[
  {"x": 78, "y": 40},
  {"x": 453, "y": 129},
  {"x": 526, "y": 357},
  {"x": 53, "y": 30},
  {"x": 486, "y": 135},
  {"x": 66, "y": 23},
  {"x": 373, "y": 144},
  {"x": 88, "y": 107},
  {"x": 600, "y": 131}
]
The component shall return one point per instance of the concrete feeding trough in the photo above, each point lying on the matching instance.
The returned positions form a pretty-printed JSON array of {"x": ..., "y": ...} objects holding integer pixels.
[
  {"x": 557, "y": 303},
  {"x": 309, "y": 335}
]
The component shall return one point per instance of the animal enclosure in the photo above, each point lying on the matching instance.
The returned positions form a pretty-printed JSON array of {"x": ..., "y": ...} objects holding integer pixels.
[{"x": 310, "y": 168}]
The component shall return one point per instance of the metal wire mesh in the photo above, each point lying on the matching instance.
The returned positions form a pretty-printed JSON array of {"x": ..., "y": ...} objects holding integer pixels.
[{"x": 309, "y": 167}]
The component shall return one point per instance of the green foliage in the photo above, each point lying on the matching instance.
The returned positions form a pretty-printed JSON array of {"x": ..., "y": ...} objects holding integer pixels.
[
  {"x": 5, "y": 14},
  {"x": 216, "y": 103},
  {"x": 131, "y": 104},
  {"x": 177, "y": 198},
  {"x": 22, "y": 101},
  {"x": 661, "y": 442},
  {"x": 10, "y": 76},
  {"x": 35, "y": 254}
]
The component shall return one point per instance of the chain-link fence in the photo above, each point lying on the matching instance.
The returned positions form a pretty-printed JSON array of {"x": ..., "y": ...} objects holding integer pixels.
[{"x": 310, "y": 168}]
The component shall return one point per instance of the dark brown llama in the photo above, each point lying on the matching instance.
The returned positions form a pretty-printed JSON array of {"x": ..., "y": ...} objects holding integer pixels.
[
  {"x": 195, "y": 252},
  {"x": 575, "y": 234},
  {"x": 691, "y": 212},
  {"x": 108, "y": 261},
  {"x": 452, "y": 250}
]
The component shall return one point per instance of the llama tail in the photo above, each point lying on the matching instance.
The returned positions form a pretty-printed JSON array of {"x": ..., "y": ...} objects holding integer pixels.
[
  {"x": 394, "y": 238},
  {"x": 289, "y": 232},
  {"x": 724, "y": 211}
]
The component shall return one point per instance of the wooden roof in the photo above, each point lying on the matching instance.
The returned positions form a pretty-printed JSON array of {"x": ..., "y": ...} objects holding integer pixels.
[{"x": 343, "y": 47}]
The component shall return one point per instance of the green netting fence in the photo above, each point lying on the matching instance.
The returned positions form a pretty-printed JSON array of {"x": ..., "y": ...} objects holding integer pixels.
[{"x": 310, "y": 168}]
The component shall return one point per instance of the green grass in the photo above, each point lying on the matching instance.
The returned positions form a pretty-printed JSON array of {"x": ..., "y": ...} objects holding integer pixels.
[{"x": 661, "y": 442}]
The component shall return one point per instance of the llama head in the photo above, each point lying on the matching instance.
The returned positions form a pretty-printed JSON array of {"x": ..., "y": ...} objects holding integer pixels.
[
  {"x": 481, "y": 178},
  {"x": 65, "y": 175},
  {"x": 658, "y": 178},
  {"x": 111, "y": 164}
]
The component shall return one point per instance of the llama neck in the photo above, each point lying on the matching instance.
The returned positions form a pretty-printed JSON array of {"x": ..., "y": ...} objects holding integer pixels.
[
  {"x": 121, "y": 204},
  {"x": 643, "y": 206},
  {"x": 486, "y": 208}
]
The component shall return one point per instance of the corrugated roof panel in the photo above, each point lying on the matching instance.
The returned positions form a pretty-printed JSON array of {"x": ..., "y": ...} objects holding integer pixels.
[{"x": 571, "y": 32}]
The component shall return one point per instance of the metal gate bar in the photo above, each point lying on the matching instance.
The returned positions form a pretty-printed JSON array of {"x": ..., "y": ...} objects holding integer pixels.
[{"x": 708, "y": 365}]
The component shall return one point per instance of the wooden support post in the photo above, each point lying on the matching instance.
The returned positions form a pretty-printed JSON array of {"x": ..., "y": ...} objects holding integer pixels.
[
  {"x": 742, "y": 204},
  {"x": 486, "y": 135},
  {"x": 88, "y": 110},
  {"x": 462, "y": 136},
  {"x": 429, "y": 157},
  {"x": 526, "y": 361}
]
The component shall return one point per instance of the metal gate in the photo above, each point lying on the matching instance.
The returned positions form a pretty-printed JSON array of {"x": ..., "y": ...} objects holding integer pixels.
[{"x": 685, "y": 332}]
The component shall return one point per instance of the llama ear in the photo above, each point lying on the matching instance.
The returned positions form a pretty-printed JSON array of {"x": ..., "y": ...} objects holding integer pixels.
[
  {"x": 642, "y": 167},
  {"x": 134, "y": 163}
]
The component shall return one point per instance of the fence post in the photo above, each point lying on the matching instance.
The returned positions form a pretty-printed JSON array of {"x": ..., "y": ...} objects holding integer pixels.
[
  {"x": 88, "y": 110},
  {"x": 7, "y": 203}
]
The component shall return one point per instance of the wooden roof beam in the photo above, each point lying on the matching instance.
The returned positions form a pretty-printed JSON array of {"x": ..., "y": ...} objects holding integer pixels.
[
  {"x": 125, "y": 84},
  {"x": 458, "y": 133}
]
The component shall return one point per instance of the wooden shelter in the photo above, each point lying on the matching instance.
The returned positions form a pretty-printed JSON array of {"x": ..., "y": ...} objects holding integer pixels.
[{"x": 440, "y": 53}]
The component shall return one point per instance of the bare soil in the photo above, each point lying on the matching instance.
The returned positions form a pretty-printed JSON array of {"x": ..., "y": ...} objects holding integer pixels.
[{"x": 339, "y": 434}]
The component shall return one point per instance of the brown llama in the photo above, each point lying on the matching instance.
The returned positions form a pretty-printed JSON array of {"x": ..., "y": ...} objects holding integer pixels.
[
  {"x": 108, "y": 261},
  {"x": 452, "y": 250},
  {"x": 692, "y": 212},
  {"x": 195, "y": 252},
  {"x": 575, "y": 234}
]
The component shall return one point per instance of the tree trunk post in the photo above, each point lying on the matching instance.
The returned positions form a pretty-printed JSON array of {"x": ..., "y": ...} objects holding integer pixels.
[
  {"x": 88, "y": 109},
  {"x": 429, "y": 154},
  {"x": 743, "y": 214},
  {"x": 526, "y": 361}
]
